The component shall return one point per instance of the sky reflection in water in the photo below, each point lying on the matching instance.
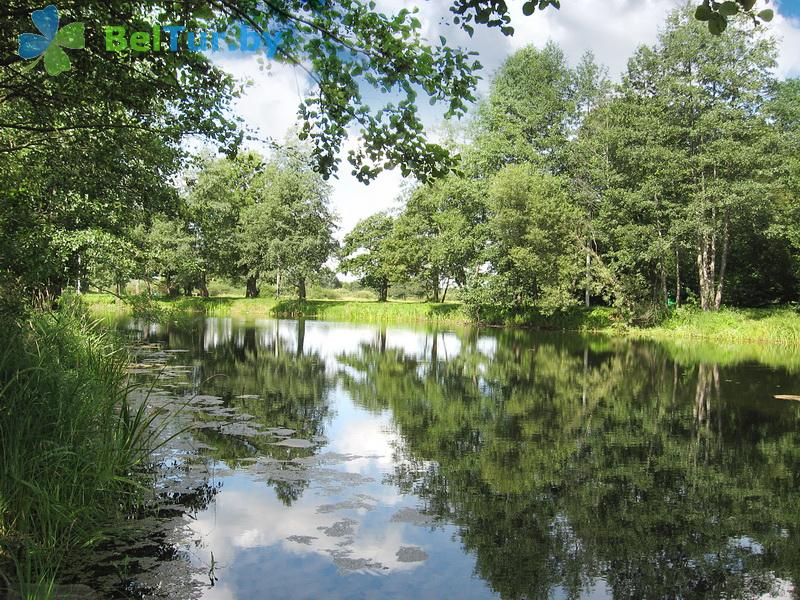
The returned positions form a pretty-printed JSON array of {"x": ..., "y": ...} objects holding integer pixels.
[{"x": 482, "y": 463}]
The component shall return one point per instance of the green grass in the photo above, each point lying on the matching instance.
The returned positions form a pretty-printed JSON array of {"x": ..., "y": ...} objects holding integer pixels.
[
  {"x": 338, "y": 309},
  {"x": 773, "y": 325},
  {"x": 72, "y": 448},
  {"x": 102, "y": 305}
]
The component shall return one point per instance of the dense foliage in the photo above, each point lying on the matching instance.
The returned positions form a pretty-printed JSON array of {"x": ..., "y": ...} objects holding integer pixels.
[
  {"x": 91, "y": 156},
  {"x": 677, "y": 185}
]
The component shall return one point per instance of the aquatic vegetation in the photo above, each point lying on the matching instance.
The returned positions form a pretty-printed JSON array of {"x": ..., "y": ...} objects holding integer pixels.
[{"x": 73, "y": 447}]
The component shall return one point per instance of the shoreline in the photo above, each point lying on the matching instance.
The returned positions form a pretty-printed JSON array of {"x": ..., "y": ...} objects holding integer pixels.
[{"x": 779, "y": 325}]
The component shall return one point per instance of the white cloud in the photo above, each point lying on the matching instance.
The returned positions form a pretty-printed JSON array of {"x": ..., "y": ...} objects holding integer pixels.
[
  {"x": 354, "y": 201},
  {"x": 269, "y": 105},
  {"x": 787, "y": 30},
  {"x": 612, "y": 33}
]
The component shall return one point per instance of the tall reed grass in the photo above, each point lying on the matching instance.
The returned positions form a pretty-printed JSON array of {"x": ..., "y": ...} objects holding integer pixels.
[{"x": 71, "y": 446}]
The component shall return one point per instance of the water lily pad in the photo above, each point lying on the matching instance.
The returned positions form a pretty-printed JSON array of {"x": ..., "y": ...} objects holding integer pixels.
[
  {"x": 412, "y": 516},
  {"x": 302, "y": 539},
  {"x": 280, "y": 431},
  {"x": 294, "y": 443},
  {"x": 407, "y": 554}
]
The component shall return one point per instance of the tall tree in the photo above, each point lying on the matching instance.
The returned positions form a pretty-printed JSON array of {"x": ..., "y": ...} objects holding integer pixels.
[
  {"x": 366, "y": 255},
  {"x": 534, "y": 258},
  {"x": 587, "y": 155},
  {"x": 172, "y": 254},
  {"x": 217, "y": 193},
  {"x": 527, "y": 114},
  {"x": 438, "y": 236},
  {"x": 712, "y": 153},
  {"x": 288, "y": 231}
]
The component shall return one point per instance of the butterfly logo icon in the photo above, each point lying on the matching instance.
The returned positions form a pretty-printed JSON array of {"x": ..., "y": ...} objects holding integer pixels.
[{"x": 49, "y": 43}]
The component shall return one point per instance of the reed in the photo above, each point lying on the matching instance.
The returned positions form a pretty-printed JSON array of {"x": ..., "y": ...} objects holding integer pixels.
[{"x": 72, "y": 446}]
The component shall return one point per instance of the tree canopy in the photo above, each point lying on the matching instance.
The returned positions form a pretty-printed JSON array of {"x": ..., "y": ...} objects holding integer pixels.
[{"x": 677, "y": 184}]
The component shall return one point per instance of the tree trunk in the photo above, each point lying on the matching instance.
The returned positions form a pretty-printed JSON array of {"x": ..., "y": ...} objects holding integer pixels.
[
  {"x": 723, "y": 263},
  {"x": 435, "y": 287},
  {"x": 446, "y": 287},
  {"x": 712, "y": 281},
  {"x": 587, "y": 297},
  {"x": 301, "y": 288},
  {"x": 252, "y": 288},
  {"x": 706, "y": 262},
  {"x": 203, "y": 286},
  {"x": 278, "y": 284},
  {"x": 383, "y": 292},
  {"x": 677, "y": 278}
]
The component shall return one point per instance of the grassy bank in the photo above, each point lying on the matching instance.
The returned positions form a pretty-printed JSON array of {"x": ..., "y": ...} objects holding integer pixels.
[
  {"x": 762, "y": 325},
  {"x": 268, "y": 307},
  {"x": 354, "y": 310},
  {"x": 774, "y": 325},
  {"x": 70, "y": 444}
]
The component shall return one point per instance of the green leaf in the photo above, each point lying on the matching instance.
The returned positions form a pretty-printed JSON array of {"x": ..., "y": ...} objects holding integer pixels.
[
  {"x": 729, "y": 8},
  {"x": 766, "y": 15},
  {"x": 747, "y": 4},
  {"x": 27, "y": 67},
  {"x": 703, "y": 13},
  {"x": 717, "y": 24},
  {"x": 203, "y": 12},
  {"x": 71, "y": 36},
  {"x": 55, "y": 60},
  {"x": 528, "y": 8}
]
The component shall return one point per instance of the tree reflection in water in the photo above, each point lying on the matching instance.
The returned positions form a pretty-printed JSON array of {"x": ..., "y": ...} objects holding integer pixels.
[
  {"x": 663, "y": 471},
  {"x": 563, "y": 460}
]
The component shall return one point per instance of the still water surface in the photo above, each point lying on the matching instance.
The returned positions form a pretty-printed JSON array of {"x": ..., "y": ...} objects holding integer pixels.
[{"x": 329, "y": 460}]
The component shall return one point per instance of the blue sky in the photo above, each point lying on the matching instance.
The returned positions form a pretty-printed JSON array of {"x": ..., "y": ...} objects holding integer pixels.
[
  {"x": 789, "y": 8},
  {"x": 613, "y": 34}
]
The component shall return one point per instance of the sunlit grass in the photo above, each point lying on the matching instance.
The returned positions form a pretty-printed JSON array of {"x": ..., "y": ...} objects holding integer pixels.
[
  {"x": 774, "y": 325},
  {"x": 102, "y": 305},
  {"x": 778, "y": 325}
]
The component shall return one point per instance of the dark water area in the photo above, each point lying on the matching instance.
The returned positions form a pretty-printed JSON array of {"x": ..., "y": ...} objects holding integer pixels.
[{"x": 330, "y": 460}]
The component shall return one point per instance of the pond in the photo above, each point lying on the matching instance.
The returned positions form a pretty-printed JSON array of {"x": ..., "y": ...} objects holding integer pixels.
[{"x": 314, "y": 459}]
